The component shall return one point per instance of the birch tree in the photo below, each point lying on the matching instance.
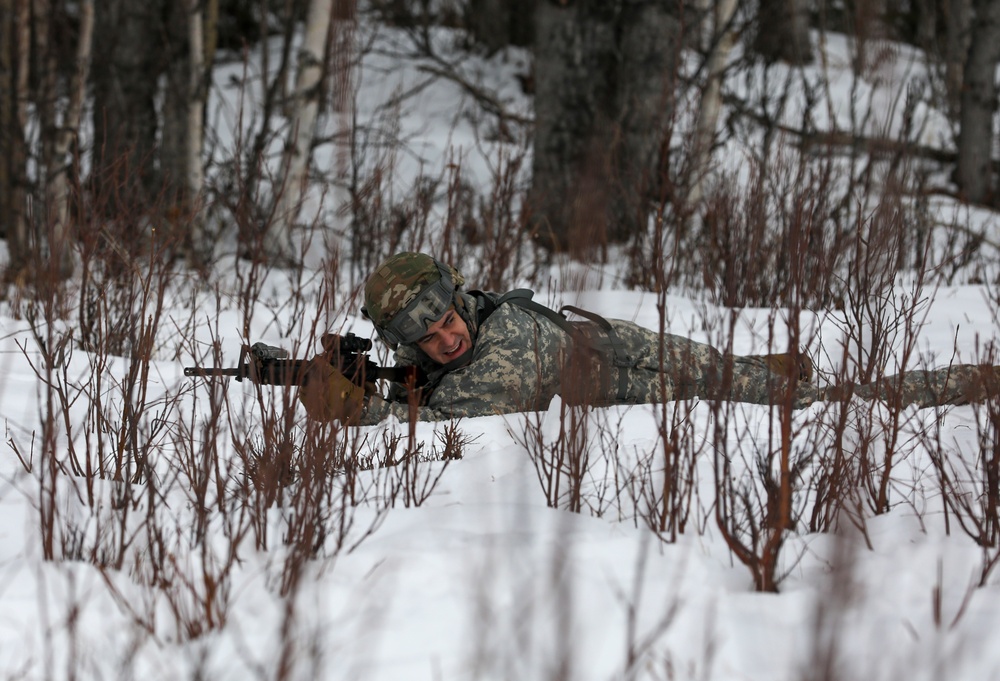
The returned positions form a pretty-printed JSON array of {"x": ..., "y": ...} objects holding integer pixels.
[
  {"x": 721, "y": 40},
  {"x": 305, "y": 101},
  {"x": 60, "y": 162},
  {"x": 974, "y": 173},
  {"x": 197, "y": 83},
  {"x": 183, "y": 121}
]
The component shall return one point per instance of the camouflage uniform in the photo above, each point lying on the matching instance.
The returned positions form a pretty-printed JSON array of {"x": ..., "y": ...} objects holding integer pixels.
[{"x": 520, "y": 359}]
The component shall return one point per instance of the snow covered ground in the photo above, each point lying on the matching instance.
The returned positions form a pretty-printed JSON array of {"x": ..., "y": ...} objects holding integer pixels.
[{"x": 483, "y": 578}]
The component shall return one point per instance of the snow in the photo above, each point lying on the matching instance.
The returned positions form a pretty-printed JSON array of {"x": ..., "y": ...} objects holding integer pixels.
[{"x": 484, "y": 579}]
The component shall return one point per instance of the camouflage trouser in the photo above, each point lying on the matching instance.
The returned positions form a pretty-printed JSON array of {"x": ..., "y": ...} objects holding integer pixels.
[
  {"x": 673, "y": 367},
  {"x": 957, "y": 384},
  {"x": 754, "y": 380},
  {"x": 688, "y": 369}
]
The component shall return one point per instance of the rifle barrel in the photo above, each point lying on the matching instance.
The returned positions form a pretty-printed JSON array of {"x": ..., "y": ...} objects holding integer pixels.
[
  {"x": 215, "y": 372},
  {"x": 293, "y": 372}
]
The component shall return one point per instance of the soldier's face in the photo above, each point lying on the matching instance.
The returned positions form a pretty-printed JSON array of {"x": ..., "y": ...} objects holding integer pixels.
[{"x": 447, "y": 339}]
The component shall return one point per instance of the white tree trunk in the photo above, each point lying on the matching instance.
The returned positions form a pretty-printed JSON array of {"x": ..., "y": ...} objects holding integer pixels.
[
  {"x": 303, "y": 113},
  {"x": 57, "y": 184},
  {"x": 723, "y": 38}
]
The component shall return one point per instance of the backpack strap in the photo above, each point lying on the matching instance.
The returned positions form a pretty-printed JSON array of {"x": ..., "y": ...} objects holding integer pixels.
[
  {"x": 619, "y": 357},
  {"x": 522, "y": 297}
]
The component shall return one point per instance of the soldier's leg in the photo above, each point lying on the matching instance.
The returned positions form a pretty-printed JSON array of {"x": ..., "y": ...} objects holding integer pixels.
[
  {"x": 669, "y": 367},
  {"x": 689, "y": 369},
  {"x": 955, "y": 385},
  {"x": 765, "y": 379},
  {"x": 699, "y": 370}
]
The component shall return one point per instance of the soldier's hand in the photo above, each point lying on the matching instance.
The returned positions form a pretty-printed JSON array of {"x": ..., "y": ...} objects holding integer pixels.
[{"x": 327, "y": 394}]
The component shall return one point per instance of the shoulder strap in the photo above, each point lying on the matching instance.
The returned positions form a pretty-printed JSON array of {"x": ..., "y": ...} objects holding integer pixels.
[{"x": 522, "y": 297}]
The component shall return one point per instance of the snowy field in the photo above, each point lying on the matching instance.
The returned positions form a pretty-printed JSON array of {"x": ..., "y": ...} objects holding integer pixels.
[{"x": 468, "y": 568}]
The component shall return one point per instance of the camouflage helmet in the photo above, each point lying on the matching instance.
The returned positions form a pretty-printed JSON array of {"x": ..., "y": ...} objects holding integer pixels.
[{"x": 407, "y": 293}]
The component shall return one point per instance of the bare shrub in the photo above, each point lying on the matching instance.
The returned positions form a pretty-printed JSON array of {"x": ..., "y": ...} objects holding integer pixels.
[
  {"x": 561, "y": 464},
  {"x": 411, "y": 471},
  {"x": 758, "y": 489},
  {"x": 880, "y": 328},
  {"x": 970, "y": 485},
  {"x": 496, "y": 226},
  {"x": 100, "y": 408},
  {"x": 662, "y": 485},
  {"x": 834, "y": 485},
  {"x": 574, "y": 450},
  {"x": 479, "y": 231},
  {"x": 761, "y": 478},
  {"x": 772, "y": 243}
]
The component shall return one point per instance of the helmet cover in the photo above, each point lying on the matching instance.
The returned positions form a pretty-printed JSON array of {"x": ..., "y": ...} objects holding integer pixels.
[{"x": 398, "y": 282}]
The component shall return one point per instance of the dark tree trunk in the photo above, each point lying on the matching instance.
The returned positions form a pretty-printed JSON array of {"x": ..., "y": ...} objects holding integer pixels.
[
  {"x": 604, "y": 95},
  {"x": 974, "y": 173},
  {"x": 176, "y": 104},
  {"x": 495, "y": 24},
  {"x": 648, "y": 44},
  {"x": 129, "y": 53},
  {"x": 783, "y": 31},
  {"x": 957, "y": 23},
  {"x": 13, "y": 153}
]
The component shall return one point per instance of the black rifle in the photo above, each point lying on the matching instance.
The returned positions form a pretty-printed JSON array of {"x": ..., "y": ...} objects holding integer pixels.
[{"x": 268, "y": 365}]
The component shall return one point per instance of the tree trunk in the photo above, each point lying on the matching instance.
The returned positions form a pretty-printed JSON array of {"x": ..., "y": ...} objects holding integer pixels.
[
  {"x": 14, "y": 49},
  {"x": 129, "y": 56},
  {"x": 957, "y": 24},
  {"x": 783, "y": 31},
  {"x": 211, "y": 35},
  {"x": 924, "y": 14},
  {"x": 198, "y": 79},
  {"x": 974, "y": 173},
  {"x": 648, "y": 44},
  {"x": 604, "y": 94},
  {"x": 182, "y": 131},
  {"x": 723, "y": 36},
  {"x": 487, "y": 20},
  {"x": 495, "y": 24},
  {"x": 61, "y": 162},
  {"x": 302, "y": 119}
]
